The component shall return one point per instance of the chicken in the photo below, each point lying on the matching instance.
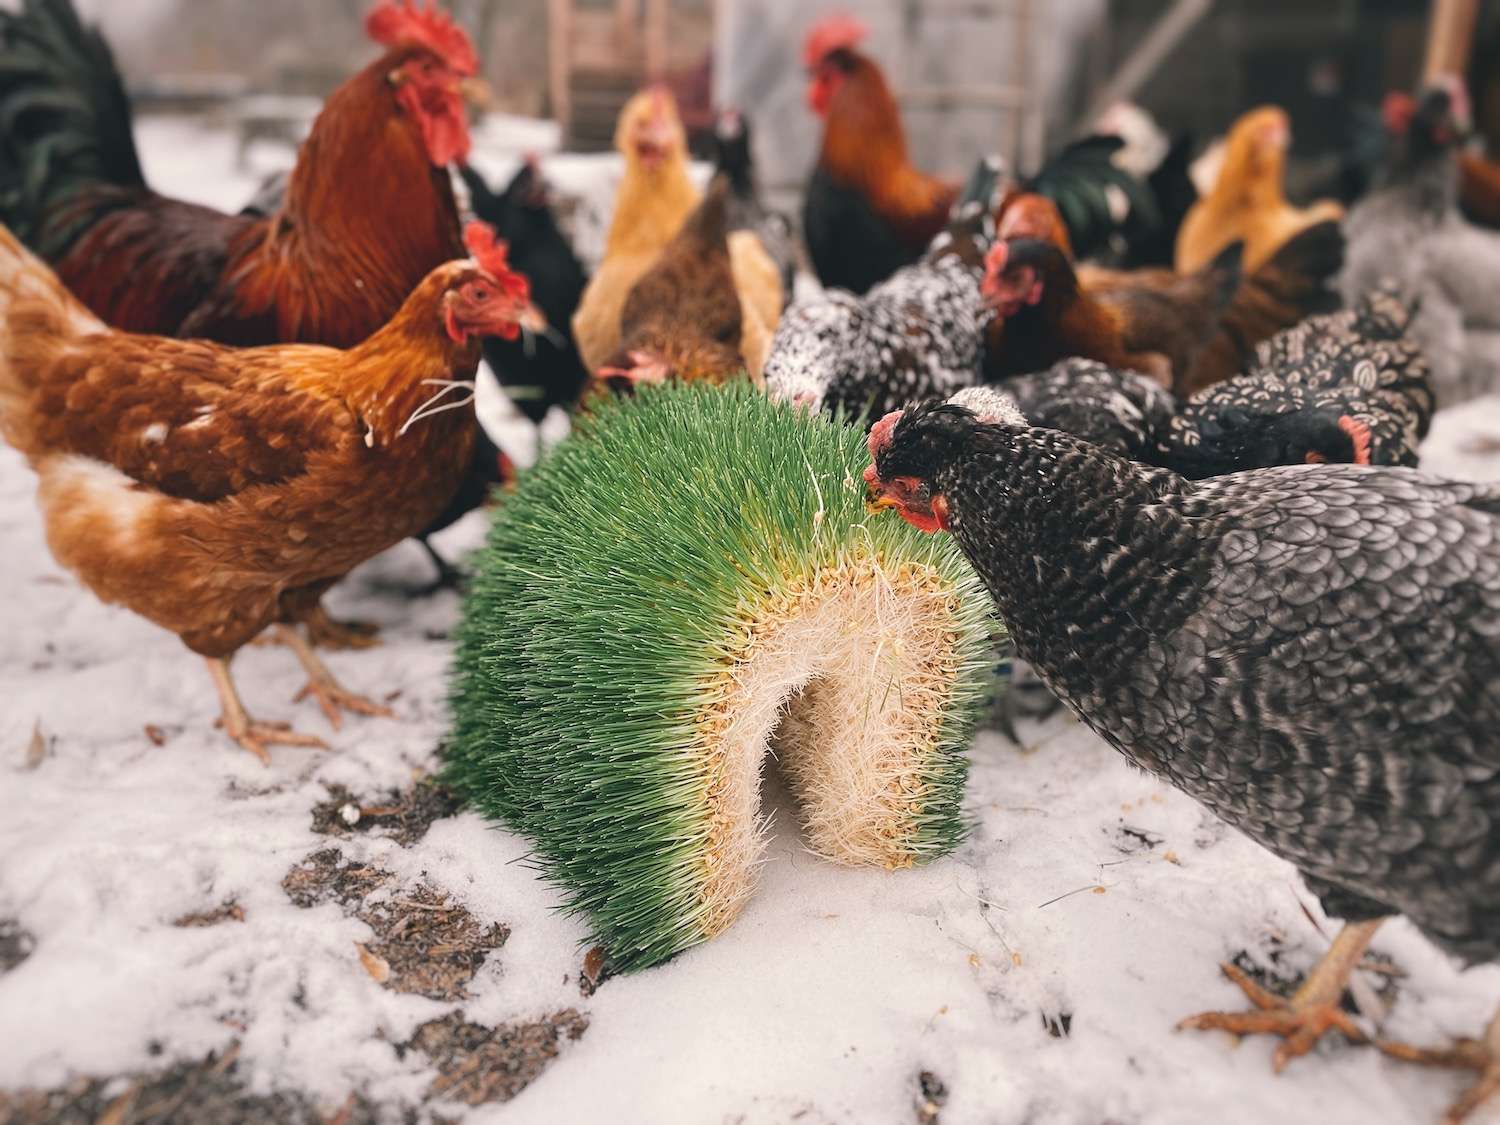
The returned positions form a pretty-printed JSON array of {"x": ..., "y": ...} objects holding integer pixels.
[
  {"x": 867, "y": 211},
  {"x": 330, "y": 267},
  {"x": 542, "y": 370},
  {"x": 1410, "y": 229},
  {"x": 1104, "y": 207},
  {"x": 217, "y": 491},
  {"x": 1312, "y": 652},
  {"x": 1247, "y": 203},
  {"x": 732, "y": 158},
  {"x": 1043, "y": 314},
  {"x": 1248, "y": 423},
  {"x": 915, "y": 335},
  {"x": 683, "y": 319},
  {"x": 654, "y": 200},
  {"x": 1350, "y": 387},
  {"x": 1298, "y": 281},
  {"x": 1163, "y": 166},
  {"x": 1121, "y": 411},
  {"x": 1199, "y": 329}
]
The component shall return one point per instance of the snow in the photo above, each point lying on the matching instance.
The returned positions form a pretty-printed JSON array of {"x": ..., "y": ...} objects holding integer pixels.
[{"x": 824, "y": 1003}]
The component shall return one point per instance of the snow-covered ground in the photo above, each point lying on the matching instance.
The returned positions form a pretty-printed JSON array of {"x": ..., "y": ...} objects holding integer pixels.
[{"x": 1035, "y": 976}]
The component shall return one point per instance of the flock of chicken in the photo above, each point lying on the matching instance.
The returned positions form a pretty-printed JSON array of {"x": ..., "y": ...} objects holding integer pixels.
[{"x": 1185, "y": 475}]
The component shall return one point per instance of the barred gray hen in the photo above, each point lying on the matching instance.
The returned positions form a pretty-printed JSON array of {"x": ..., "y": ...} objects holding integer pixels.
[
  {"x": 917, "y": 334},
  {"x": 1313, "y": 652},
  {"x": 1351, "y": 387}
]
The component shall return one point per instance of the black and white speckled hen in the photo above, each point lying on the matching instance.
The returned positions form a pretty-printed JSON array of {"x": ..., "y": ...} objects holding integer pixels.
[
  {"x": 917, "y": 334},
  {"x": 1312, "y": 652},
  {"x": 1348, "y": 387}
]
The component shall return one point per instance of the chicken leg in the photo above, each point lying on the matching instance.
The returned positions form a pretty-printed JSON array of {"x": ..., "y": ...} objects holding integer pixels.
[
  {"x": 1310, "y": 1013},
  {"x": 332, "y": 696},
  {"x": 1482, "y": 1055},
  {"x": 252, "y": 735}
]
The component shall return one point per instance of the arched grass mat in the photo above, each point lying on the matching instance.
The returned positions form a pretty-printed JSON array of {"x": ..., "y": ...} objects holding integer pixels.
[{"x": 687, "y": 582}]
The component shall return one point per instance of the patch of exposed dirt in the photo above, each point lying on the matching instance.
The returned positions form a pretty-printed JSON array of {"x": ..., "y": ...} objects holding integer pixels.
[
  {"x": 431, "y": 946},
  {"x": 208, "y": 1092},
  {"x": 478, "y": 1064},
  {"x": 324, "y": 876},
  {"x": 424, "y": 943},
  {"x": 15, "y": 945},
  {"x": 404, "y": 815}
]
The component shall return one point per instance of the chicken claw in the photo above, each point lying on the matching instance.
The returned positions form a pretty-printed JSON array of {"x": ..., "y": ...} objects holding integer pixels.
[
  {"x": 253, "y": 735},
  {"x": 324, "y": 632},
  {"x": 1482, "y": 1055},
  {"x": 1310, "y": 1013},
  {"x": 332, "y": 696}
]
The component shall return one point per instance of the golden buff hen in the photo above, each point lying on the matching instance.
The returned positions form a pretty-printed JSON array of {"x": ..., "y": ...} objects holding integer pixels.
[
  {"x": 219, "y": 491},
  {"x": 655, "y": 198},
  {"x": 1248, "y": 203}
]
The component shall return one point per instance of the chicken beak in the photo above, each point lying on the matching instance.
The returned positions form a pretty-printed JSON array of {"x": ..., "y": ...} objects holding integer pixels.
[
  {"x": 396, "y": 78},
  {"x": 477, "y": 92}
]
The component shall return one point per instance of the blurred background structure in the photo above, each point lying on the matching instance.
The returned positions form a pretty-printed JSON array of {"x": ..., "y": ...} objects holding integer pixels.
[{"x": 1014, "y": 76}]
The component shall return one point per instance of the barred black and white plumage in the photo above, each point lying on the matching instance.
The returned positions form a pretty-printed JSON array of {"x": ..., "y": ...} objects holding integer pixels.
[
  {"x": 1313, "y": 652},
  {"x": 1352, "y": 386},
  {"x": 1122, "y": 411},
  {"x": 918, "y": 334}
]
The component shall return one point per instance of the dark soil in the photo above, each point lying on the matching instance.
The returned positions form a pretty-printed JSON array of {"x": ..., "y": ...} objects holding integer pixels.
[
  {"x": 209, "y": 1092},
  {"x": 478, "y": 1064},
  {"x": 403, "y": 815},
  {"x": 423, "y": 943}
]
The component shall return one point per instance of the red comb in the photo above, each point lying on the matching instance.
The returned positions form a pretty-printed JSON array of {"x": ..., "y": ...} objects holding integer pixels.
[
  {"x": 1359, "y": 434},
  {"x": 492, "y": 256},
  {"x": 880, "y": 433},
  {"x": 393, "y": 25},
  {"x": 1397, "y": 111},
  {"x": 839, "y": 31},
  {"x": 994, "y": 265}
]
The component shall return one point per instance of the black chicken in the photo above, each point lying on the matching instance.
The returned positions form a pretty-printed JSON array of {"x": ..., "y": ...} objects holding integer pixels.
[
  {"x": 541, "y": 369},
  {"x": 1313, "y": 652},
  {"x": 734, "y": 160}
]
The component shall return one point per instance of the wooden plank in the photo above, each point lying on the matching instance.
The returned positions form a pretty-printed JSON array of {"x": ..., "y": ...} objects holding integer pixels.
[
  {"x": 559, "y": 35},
  {"x": 1450, "y": 37},
  {"x": 1142, "y": 63}
]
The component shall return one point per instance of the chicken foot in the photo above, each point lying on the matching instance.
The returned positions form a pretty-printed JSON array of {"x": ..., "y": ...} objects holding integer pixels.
[
  {"x": 252, "y": 735},
  {"x": 332, "y": 696},
  {"x": 1482, "y": 1055},
  {"x": 1310, "y": 1013}
]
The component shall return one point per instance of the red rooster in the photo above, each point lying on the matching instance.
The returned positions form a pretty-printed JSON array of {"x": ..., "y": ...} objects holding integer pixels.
[
  {"x": 368, "y": 213},
  {"x": 868, "y": 212}
]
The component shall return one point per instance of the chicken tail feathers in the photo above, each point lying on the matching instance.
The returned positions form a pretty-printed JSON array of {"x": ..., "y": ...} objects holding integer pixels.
[
  {"x": 65, "y": 124},
  {"x": 34, "y": 308}
]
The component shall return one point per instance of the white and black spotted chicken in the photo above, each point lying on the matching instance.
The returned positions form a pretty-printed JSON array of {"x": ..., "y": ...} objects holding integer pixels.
[
  {"x": 918, "y": 334},
  {"x": 1312, "y": 652}
]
